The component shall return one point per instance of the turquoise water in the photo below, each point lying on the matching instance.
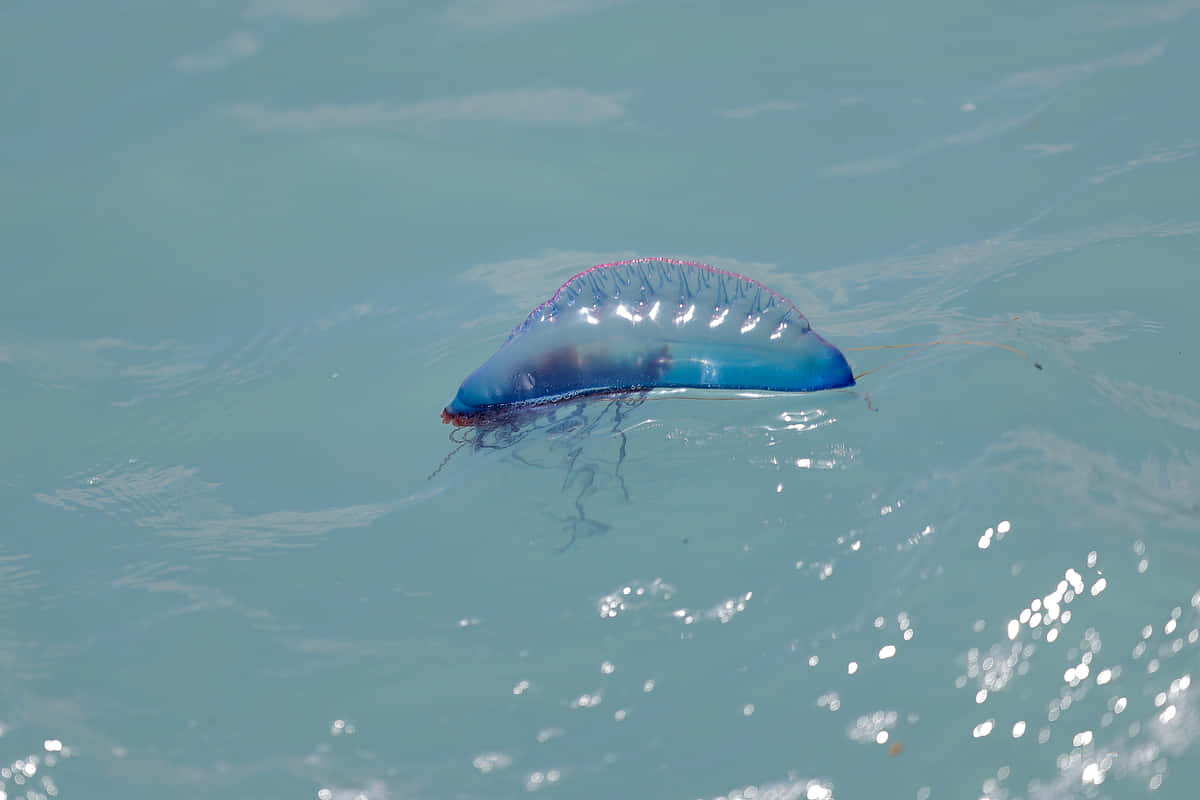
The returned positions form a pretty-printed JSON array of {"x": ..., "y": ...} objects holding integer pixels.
[{"x": 251, "y": 249}]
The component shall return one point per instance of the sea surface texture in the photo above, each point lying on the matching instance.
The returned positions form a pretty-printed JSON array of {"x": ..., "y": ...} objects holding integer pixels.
[{"x": 249, "y": 250}]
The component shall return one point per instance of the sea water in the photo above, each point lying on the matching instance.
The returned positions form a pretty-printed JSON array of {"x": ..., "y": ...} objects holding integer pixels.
[{"x": 250, "y": 249}]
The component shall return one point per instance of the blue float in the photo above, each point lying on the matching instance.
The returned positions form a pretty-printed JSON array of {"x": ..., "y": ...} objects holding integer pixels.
[{"x": 651, "y": 323}]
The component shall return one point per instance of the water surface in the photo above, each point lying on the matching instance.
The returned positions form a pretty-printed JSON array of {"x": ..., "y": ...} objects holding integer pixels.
[{"x": 251, "y": 250}]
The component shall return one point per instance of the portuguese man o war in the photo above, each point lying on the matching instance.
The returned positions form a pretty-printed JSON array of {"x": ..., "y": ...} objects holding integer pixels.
[
  {"x": 614, "y": 333},
  {"x": 650, "y": 323}
]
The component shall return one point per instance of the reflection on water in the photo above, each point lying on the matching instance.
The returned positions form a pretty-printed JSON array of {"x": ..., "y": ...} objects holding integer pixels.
[
  {"x": 177, "y": 503},
  {"x": 32, "y": 775},
  {"x": 1134, "y": 493}
]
